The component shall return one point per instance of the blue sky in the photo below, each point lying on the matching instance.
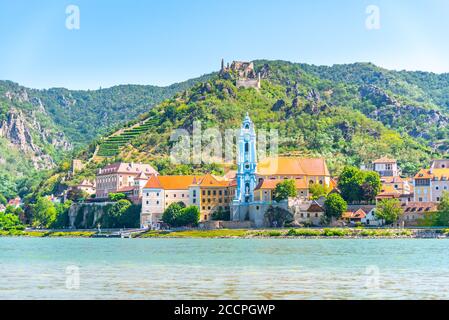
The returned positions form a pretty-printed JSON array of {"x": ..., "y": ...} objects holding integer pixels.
[{"x": 161, "y": 42}]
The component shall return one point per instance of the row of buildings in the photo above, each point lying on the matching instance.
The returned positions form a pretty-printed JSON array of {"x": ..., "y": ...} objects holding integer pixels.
[{"x": 247, "y": 193}]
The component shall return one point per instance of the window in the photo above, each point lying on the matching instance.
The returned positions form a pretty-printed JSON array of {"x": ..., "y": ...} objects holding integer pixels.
[
  {"x": 208, "y": 192},
  {"x": 215, "y": 192},
  {"x": 157, "y": 194},
  {"x": 204, "y": 192},
  {"x": 204, "y": 208},
  {"x": 220, "y": 192},
  {"x": 437, "y": 188},
  {"x": 438, "y": 198},
  {"x": 246, "y": 147},
  {"x": 174, "y": 196},
  {"x": 157, "y": 202},
  {"x": 183, "y": 195},
  {"x": 194, "y": 201},
  {"x": 148, "y": 202},
  {"x": 194, "y": 193}
]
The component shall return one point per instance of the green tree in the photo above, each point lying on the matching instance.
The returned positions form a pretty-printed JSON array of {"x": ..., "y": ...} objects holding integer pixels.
[
  {"x": 317, "y": 191},
  {"x": 371, "y": 185},
  {"x": 284, "y": 190},
  {"x": 10, "y": 222},
  {"x": 77, "y": 195},
  {"x": 334, "y": 206},
  {"x": 189, "y": 216},
  {"x": 349, "y": 182},
  {"x": 388, "y": 210},
  {"x": 62, "y": 215},
  {"x": 116, "y": 212},
  {"x": 172, "y": 213},
  {"x": 221, "y": 214},
  {"x": 357, "y": 185},
  {"x": 3, "y": 200},
  {"x": 116, "y": 196},
  {"x": 44, "y": 213},
  {"x": 278, "y": 217},
  {"x": 442, "y": 216}
]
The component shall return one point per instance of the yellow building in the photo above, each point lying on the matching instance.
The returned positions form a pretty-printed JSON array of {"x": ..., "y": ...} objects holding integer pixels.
[
  {"x": 211, "y": 193},
  {"x": 310, "y": 170}
]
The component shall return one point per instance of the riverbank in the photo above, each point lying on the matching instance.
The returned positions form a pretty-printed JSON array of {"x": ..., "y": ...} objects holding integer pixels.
[
  {"x": 47, "y": 234},
  {"x": 325, "y": 233},
  {"x": 350, "y": 233}
]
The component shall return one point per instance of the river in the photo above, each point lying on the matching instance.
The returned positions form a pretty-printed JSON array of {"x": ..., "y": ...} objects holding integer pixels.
[{"x": 63, "y": 268}]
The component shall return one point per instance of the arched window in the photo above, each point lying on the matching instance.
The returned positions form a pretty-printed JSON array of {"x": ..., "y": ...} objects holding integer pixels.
[{"x": 246, "y": 147}]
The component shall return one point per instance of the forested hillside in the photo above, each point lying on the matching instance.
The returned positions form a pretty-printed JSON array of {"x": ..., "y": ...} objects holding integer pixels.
[{"x": 349, "y": 114}]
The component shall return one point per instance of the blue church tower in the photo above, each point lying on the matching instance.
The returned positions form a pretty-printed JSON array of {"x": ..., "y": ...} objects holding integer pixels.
[{"x": 246, "y": 171}]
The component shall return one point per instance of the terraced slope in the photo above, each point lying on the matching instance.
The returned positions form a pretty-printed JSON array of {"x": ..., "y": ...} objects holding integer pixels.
[{"x": 110, "y": 147}]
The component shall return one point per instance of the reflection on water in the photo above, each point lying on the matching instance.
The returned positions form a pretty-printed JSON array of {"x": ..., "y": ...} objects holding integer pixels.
[{"x": 224, "y": 269}]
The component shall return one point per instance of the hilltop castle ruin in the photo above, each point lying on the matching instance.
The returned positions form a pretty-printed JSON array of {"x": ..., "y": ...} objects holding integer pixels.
[{"x": 244, "y": 72}]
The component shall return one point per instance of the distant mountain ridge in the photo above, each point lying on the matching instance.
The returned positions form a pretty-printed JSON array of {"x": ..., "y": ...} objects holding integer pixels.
[{"x": 40, "y": 127}]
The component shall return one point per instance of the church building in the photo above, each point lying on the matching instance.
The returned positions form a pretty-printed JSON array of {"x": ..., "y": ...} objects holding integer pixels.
[{"x": 256, "y": 179}]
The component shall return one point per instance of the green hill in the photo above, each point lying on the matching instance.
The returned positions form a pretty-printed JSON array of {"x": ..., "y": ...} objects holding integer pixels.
[{"x": 349, "y": 114}]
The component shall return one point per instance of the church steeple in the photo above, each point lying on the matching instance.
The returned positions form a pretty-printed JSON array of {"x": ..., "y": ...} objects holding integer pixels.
[{"x": 246, "y": 162}]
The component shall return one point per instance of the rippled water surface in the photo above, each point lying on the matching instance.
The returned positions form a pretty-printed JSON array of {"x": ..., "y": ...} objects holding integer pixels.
[{"x": 34, "y": 268}]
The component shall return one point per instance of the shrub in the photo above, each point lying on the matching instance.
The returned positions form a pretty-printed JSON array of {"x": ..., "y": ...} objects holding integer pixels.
[
  {"x": 336, "y": 232},
  {"x": 116, "y": 196}
]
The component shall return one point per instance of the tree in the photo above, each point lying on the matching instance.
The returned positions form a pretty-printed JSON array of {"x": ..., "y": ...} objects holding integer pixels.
[
  {"x": 189, "y": 216},
  {"x": 10, "y": 221},
  {"x": 172, "y": 213},
  {"x": 357, "y": 185},
  {"x": 335, "y": 205},
  {"x": 116, "y": 212},
  {"x": 221, "y": 214},
  {"x": 278, "y": 217},
  {"x": 44, "y": 213},
  {"x": 349, "y": 182},
  {"x": 77, "y": 195},
  {"x": 284, "y": 190},
  {"x": 62, "y": 215},
  {"x": 371, "y": 185},
  {"x": 116, "y": 196},
  {"x": 3, "y": 200},
  {"x": 388, "y": 210},
  {"x": 442, "y": 217},
  {"x": 318, "y": 190}
]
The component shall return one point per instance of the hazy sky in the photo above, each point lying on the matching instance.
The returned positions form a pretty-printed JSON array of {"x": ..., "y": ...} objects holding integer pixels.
[{"x": 161, "y": 42}]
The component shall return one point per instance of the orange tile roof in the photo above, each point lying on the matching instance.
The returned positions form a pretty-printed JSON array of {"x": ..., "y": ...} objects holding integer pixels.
[
  {"x": 396, "y": 179},
  {"x": 433, "y": 173},
  {"x": 270, "y": 184},
  {"x": 359, "y": 214},
  {"x": 423, "y": 174},
  {"x": 210, "y": 180},
  {"x": 293, "y": 166},
  {"x": 420, "y": 207},
  {"x": 170, "y": 182}
]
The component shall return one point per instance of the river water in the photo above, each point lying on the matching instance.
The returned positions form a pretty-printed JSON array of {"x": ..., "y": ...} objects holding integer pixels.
[{"x": 62, "y": 268}]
